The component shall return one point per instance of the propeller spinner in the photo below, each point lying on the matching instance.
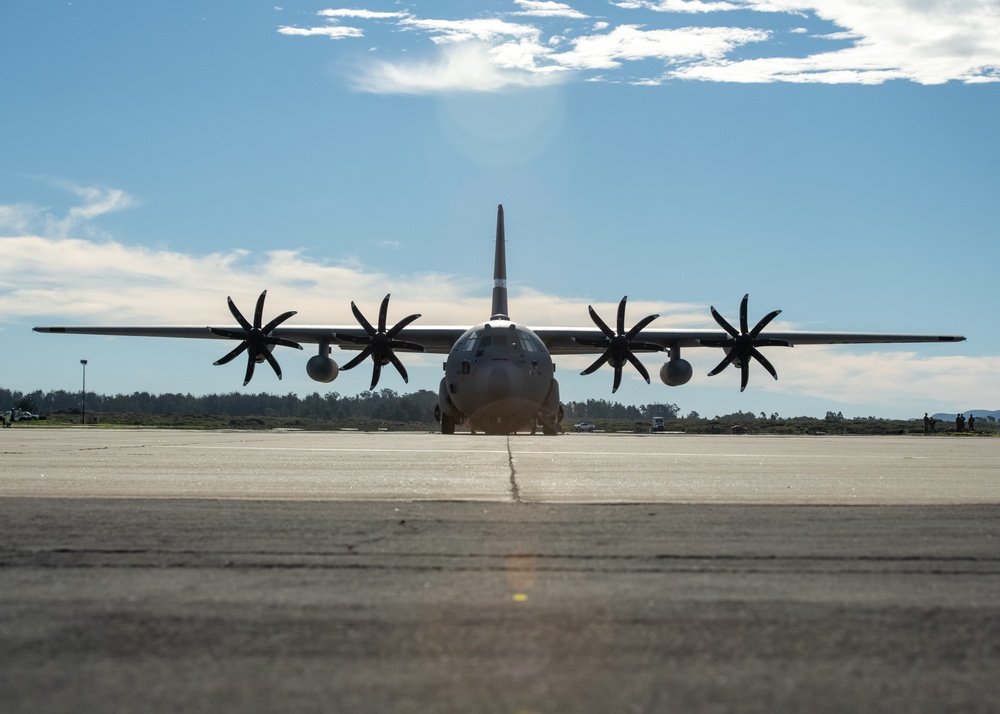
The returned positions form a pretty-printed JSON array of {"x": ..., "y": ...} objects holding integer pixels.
[
  {"x": 380, "y": 342},
  {"x": 743, "y": 344},
  {"x": 619, "y": 345},
  {"x": 256, "y": 340}
]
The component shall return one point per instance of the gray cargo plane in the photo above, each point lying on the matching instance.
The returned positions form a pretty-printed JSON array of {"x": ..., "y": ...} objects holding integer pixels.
[{"x": 499, "y": 376}]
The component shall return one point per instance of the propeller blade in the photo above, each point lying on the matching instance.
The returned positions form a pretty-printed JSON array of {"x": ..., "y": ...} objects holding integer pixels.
[
  {"x": 232, "y": 355},
  {"x": 726, "y": 361},
  {"x": 620, "y": 346},
  {"x": 231, "y": 334},
  {"x": 765, "y": 363},
  {"x": 724, "y": 323},
  {"x": 599, "y": 322},
  {"x": 255, "y": 340},
  {"x": 640, "y": 326},
  {"x": 239, "y": 315},
  {"x": 596, "y": 365},
  {"x": 250, "y": 365},
  {"x": 382, "y": 310},
  {"x": 399, "y": 367},
  {"x": 283, "y": 342},
  {"x": 376, "y": 374},
  {"x": 361, "y": 357},
  {"x": 638, "y": 365},
  {"x": 404, "y": 345},
  {"x": 273, "y": 362},
  {"x": 398, "y": 327},
  {"x": 380, "y": 342},
  {"x": 278, "y": 320},
  {"x": 258, "y": 311},
  {"x": 743, "y": 345},
  {"x": 362, "y": 320},
  {"x": 764, "y": 322}
]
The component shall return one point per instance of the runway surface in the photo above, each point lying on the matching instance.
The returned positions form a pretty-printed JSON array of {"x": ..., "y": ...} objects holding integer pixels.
[{"x": 231, "y": 571}]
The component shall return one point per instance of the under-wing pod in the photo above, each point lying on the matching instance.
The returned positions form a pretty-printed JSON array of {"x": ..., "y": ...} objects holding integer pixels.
[
  {"x": 676, "y": 372},
  {"x": 320, "y": 367}
]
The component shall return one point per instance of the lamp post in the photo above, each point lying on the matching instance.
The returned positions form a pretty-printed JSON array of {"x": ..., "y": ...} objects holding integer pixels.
[{"x": 84, "y": 394}]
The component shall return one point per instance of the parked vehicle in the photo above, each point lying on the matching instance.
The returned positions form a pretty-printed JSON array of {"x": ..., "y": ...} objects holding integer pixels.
[{"x": 584, "y": 426}]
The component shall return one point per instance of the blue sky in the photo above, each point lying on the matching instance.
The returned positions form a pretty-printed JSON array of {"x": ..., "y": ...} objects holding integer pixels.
[{"x": 837, "y": 161}]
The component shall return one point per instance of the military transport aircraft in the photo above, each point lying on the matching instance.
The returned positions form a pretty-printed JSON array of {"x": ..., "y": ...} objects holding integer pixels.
[{"x": 499, "y": 375}]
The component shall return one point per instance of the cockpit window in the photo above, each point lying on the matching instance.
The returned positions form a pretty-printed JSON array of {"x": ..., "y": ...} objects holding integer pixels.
[{"x": 483, "y": 337}]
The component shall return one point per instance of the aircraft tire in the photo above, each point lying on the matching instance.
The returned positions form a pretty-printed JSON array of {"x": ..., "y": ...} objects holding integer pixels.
[{"x": 447, "y": 424}]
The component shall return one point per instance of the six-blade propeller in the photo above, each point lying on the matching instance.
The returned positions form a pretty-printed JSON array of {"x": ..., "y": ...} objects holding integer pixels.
[
  {"x": 380, "y": 342},
  {"x": 743, "y": 344},
  {"x": 618, "y": 346},
  {"x": 256, "y": 340}
]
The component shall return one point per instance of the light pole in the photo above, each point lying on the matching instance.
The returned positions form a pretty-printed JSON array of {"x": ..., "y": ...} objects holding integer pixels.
[{"x": 84, "y": 395}]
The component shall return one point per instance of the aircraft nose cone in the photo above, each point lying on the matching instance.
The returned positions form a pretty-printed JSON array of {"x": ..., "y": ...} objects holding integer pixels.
[{"x": 500, "y": 380}]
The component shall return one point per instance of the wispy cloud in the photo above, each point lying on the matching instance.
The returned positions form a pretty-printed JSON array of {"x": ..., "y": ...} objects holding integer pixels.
[
  {"x": 529, "y": 41},
  {"x": 532, "y": 8},
  {"x": 465, "y": 66},
  {"x": 334, "y": 32},
  {"x": 630, "y": 43}
]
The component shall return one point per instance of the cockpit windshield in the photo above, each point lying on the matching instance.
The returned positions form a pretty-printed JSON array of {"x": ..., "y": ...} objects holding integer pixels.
[{"x": 484, "y": 336}]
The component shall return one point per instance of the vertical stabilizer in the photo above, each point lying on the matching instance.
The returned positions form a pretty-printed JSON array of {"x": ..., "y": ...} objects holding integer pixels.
[{"x": 500, "y": 272}]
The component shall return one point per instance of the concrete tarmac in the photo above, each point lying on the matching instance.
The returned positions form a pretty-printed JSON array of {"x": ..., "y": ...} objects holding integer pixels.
[{"x": 229, "y": 571}]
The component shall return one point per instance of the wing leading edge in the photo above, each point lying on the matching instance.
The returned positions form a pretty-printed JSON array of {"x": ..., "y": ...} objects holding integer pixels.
[{"x": 439, "y": 339}]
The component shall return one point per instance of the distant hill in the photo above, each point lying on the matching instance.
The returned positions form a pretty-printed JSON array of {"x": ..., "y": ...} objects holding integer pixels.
[{"x": 978, "y": 413}]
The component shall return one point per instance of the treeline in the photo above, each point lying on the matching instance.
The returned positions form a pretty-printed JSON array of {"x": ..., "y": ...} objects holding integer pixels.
[
  {"x": 384, "y": 404},
  {"x": 387, "y": 408},
  {"x": 602, "y": 409}
]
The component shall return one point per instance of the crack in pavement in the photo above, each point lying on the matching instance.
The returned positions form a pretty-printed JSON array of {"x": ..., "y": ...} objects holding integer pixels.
[{"x": 515, "y": 490}]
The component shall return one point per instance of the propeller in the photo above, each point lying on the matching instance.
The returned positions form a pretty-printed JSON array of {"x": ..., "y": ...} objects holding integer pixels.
[
  {"x": 618, "y": 346},
  {"x": 380, "y": 343},
  {"x": 256, "y": 340},
  {"x": 742, "y": 345}
]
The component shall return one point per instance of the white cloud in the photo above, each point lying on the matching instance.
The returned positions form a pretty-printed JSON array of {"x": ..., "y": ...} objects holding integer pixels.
[
  {"x": 913, "y": 40},
  {"x": 533, "y": 8},
  {"x": 473, "y": 67},
  {"x": 629, "y": 43},
  {"x": 928, "y": 43},
  {"x": 334, "y": 32},
  {"x": 484, "y": 30},
  {"x": 680, "y": 6},
  {"x": 362, "y": 14}
]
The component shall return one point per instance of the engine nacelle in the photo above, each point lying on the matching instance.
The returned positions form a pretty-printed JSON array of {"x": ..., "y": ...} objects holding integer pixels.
[
  {"x": 321, "y": 368},
  {"x": 676, "y": 372}
]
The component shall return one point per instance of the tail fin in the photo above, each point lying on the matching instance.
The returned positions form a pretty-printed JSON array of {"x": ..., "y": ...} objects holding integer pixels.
[{"x": 500, "y": 272}]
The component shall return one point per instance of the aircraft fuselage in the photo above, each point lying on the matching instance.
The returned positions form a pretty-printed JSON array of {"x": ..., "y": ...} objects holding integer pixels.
[{"x": 499, "y": 378}]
